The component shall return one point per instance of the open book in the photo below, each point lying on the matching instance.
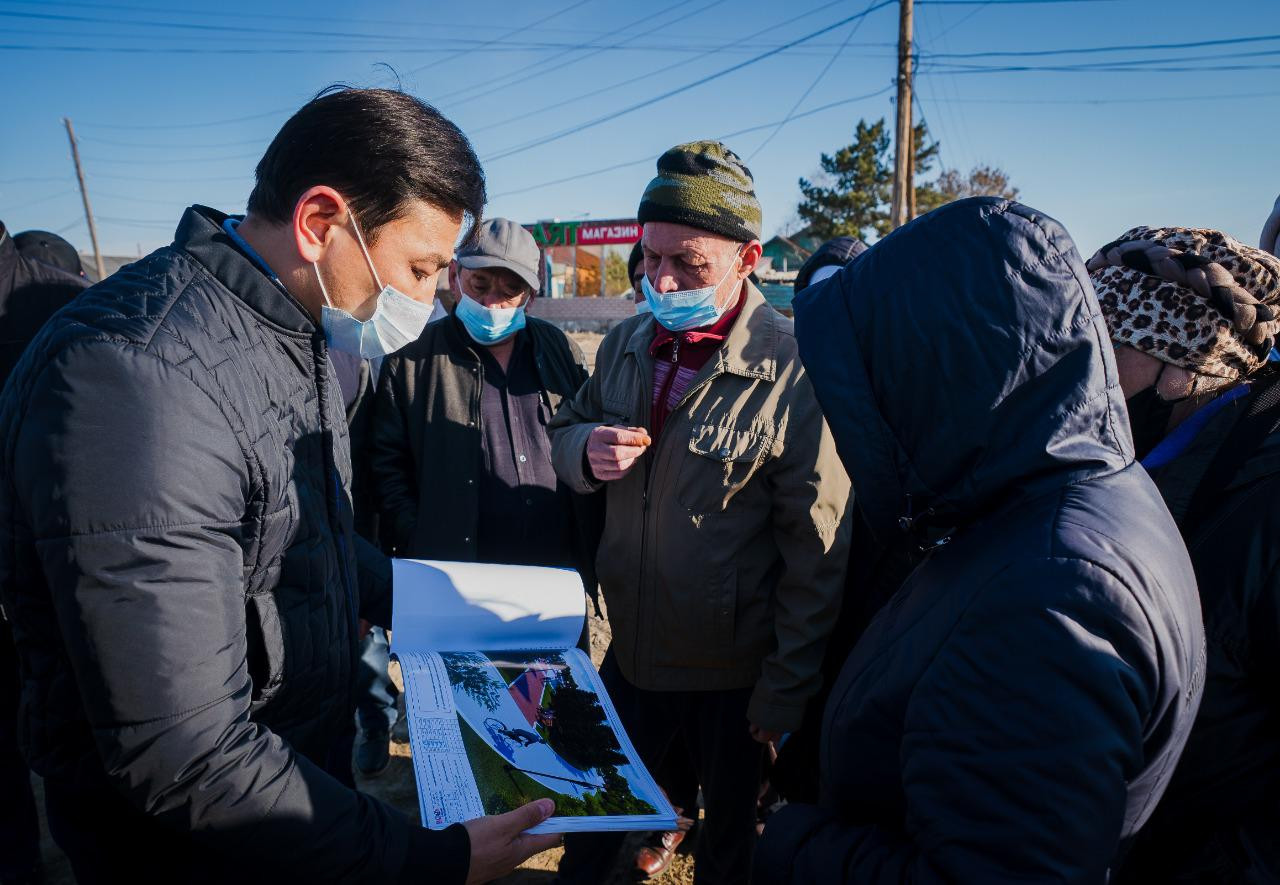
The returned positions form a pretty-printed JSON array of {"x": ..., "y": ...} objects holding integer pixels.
[{"x": 503, "y": 709}]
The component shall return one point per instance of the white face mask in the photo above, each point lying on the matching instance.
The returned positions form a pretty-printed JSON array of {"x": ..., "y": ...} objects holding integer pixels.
[
  {"x": 687, "y": 308},
  {"x": 397, "y": 319}
]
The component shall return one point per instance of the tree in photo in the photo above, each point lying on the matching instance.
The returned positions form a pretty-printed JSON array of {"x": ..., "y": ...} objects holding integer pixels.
[
  {"x": 469, "y": 671},
  {"x": 616, "y": 281},
  {"x": 582, "y": 735}
]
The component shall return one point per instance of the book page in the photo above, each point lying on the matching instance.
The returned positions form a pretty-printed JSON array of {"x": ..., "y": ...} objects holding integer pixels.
[
  {"x": 492, "y": 730},
  {"x": 460, "y": 606}
]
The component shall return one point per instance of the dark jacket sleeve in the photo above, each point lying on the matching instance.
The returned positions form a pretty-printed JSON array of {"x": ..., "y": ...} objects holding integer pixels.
[
  {"x": 136, "y": 503},
  {"x": 395, "y": 479},
  {"x": 1020, "y": 736},
  {"x": 373, "y": 569}
]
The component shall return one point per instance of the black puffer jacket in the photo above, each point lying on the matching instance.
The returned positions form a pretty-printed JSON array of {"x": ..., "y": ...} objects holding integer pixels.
[
  {"x": 1220, "y": 820},
  {"x": 177, "y": 554},
  {"x": 1014, "y": 712}
]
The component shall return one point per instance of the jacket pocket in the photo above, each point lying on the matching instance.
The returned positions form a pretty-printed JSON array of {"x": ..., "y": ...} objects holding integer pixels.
[
  {"x": 721, "y": 462},
  {"x": 264, "y": 639}
]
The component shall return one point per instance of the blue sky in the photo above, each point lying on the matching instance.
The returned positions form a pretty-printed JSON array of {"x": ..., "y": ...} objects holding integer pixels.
[{"x": 175, "y": 102}]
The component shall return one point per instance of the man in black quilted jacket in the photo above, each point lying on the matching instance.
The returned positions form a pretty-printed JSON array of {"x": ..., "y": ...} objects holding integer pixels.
[{"x": 176, "y": 546}]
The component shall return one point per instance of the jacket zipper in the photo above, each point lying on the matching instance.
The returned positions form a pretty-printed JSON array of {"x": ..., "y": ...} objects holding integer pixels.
[
  {"x": 644, "y": 525},
  {"x": 335, "y": 520},
  {"x": 650, "y": 460}
]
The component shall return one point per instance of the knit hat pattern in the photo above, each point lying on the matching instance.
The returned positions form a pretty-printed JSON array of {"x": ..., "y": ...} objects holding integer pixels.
[
  {"x": 1190, "y": 297},
  {"x": 705, "y": 185}
]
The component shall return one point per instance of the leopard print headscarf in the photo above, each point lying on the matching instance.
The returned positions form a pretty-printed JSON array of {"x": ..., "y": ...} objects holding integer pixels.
[{"x": 1194, "y": 298}]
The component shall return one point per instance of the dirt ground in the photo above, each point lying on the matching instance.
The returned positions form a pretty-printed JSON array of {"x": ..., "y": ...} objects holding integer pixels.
[{"x": 590, "y": 343}]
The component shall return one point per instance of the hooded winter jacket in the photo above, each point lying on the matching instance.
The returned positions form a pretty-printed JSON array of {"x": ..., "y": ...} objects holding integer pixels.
[
  {"x": 178, "y": 560},
  {"x": 30, "y": 293},
  {"x": 1015, "y": 710}
]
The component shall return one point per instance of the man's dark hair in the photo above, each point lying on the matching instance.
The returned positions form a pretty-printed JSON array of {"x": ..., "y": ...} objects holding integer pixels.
[{"x": 379, "y": 148}]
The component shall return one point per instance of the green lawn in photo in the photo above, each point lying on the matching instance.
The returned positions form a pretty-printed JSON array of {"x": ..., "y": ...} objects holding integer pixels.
[{"x": 501, "y": 787}]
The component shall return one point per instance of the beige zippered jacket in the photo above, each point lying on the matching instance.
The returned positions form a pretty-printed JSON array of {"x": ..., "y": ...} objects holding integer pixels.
[{"x": 724, "y": 549}]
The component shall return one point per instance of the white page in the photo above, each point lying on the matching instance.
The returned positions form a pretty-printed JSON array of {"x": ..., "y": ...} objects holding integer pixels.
[{"x": 465, "y": 606}]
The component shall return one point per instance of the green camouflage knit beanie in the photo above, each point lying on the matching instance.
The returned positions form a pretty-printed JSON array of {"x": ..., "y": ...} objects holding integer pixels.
[{"x": 705, "y": 185}]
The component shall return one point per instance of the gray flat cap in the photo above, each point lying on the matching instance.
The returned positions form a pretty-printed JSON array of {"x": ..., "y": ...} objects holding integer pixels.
[{"x": 501, "y": 242}]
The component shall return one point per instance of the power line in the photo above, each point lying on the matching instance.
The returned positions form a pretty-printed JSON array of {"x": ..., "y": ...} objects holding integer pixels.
[
  {"x": 24, "y": 179},
  {"x": 1144, "y": 99},
  {"x": 511, "y": 33},
  {"x": 280, "y": 111},
  {"x": 66, "y": 227},
  {"x": 954, "y": 122},
  {"x": 651, "y": 157},
  {"x": 312, "y": 49},
  {"x": 257, "y": 14},
  {"x": 1082, "y": 50},
  {"x": 812, "y": 86},
  {"x": 189, "y": 144},
  {"x": 36, "y": 202},
  {"x": 200, "y": 179},
  {"x": 564, "y": 133},
  {"x": 203, "y": 27},
  {"x": 645, "y": 76},
  {"x": 1163, "y": 65},
  {"x": 140, "y": 222},
  {"x": 171, "y": 161},
  {"x": 225, "y": 122},
  {"x": 962, "y": 21},
  {"x": 524, "y": 76}
]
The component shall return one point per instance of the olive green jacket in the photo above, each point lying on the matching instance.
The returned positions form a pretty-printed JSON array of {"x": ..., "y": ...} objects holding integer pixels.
[{"x": 724, "y": 548}]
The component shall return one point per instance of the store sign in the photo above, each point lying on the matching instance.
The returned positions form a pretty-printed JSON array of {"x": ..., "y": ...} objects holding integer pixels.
[
  {"x": 608, "y": 232},
  {"x": 585, "y": 233}
]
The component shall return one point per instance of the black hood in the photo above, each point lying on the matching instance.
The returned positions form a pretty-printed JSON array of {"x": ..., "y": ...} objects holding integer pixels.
[
  {"x": 963, "y": 364},
  {"x": 839, "y": 251}
]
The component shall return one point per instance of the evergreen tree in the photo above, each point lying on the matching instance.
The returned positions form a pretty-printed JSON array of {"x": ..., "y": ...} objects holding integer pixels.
[{"x": 853, "y": 199}]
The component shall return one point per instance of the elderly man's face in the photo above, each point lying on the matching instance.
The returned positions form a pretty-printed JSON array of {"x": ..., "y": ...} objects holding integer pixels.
[
  {"x": 493, "y": 287},
  {"x": 679, "y": 257}
]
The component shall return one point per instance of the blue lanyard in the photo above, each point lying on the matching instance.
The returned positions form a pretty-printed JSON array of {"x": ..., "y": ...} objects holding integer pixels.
[{"x": 1177, "y": 442}]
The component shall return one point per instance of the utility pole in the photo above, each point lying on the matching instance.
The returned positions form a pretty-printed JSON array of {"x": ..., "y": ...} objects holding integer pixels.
[
  {"x": 903, "y": 181},
  {"x": 84, "y": 195}
]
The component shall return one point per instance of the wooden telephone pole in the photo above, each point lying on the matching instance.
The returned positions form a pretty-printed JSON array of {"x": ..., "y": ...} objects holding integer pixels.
[
  {"x": 84, "y": 195},
  {"x": 904, "y": 152}
]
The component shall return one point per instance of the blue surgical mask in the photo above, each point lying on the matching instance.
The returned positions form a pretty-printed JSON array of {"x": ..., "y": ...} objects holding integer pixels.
[
  {"x": 687, "y": 308},
  {"x": 397, "y": 319},
  {"x": 487, "y": 325},
  {"x": 642, "y": 306}
]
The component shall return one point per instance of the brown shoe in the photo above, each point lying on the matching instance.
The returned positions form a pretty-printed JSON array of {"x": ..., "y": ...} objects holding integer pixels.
[{"x": 655, "y": 855}]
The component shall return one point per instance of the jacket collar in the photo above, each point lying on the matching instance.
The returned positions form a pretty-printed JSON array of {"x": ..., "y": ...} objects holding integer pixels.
[
  {"x": 751, "y": 348},
  {"x": 8, "y": 259},
  {"x": 200, "y": 235}
]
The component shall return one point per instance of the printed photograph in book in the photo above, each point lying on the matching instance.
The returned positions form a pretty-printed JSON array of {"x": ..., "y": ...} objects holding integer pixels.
[{"x": 531, "y": 730}]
